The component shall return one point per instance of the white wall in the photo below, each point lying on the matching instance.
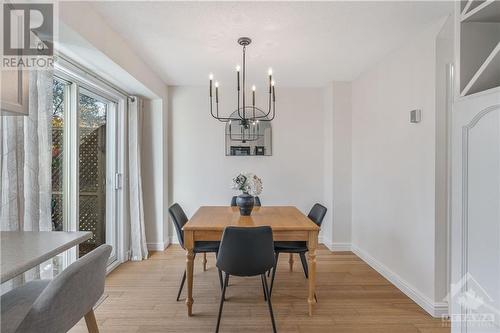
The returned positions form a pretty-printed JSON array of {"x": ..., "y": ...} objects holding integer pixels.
[
  {"x": 394, "y": 168},
  {"x": 153, "y": 175},
  {"x": 444, "y": 57},
  {"x": 342, "y": 164},
  {"x": 337, "y": 113},
  {"x": 78, "y": 15},
  {"x": 201, "y": 173},
  {"x": 102, "y": 50}
]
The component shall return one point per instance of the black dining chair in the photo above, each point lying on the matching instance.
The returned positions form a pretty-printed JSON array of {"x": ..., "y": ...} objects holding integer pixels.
[
  {"x": 180, "y": 219},
  {"x": 233, "y": 201},
  {"x": 246, "y": 252},
  {"x": 317, "y": 214}
]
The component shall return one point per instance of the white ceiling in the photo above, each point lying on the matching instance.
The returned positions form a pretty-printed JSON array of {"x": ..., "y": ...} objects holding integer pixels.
[{"x": 306, "y": 43}]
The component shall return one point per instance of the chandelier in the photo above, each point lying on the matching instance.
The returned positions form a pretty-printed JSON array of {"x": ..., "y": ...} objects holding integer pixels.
[{"x": 246, "y": 116}]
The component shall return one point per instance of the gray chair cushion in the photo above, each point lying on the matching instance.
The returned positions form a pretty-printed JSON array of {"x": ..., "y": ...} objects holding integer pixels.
[{"x": 16, "y": 304}]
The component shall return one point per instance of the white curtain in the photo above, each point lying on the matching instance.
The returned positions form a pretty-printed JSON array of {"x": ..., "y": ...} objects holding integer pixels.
[
  {"x": 25, "y": 166},
  {"x": 26, "y": 146},
  {"x": 138, "y": 248}
]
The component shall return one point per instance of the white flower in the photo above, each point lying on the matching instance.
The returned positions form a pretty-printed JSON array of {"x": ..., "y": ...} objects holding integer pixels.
[{"x": 247, "y": 183}]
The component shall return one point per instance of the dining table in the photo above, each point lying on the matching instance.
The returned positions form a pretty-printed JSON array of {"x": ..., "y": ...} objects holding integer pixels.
[
  {"x": 23, "y": 250},
  {"x": 288, "y": 223}
]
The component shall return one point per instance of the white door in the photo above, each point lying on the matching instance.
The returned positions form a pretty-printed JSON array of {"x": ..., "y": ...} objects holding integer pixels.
[{"x": 475, "y": 229}]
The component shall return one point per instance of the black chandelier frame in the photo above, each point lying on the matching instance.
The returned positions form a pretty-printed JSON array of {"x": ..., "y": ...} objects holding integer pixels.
[{"x": 243, "y": 110}]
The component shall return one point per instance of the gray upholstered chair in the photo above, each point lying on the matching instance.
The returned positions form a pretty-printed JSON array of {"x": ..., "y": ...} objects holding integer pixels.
[{"x": 53, "y": 306}]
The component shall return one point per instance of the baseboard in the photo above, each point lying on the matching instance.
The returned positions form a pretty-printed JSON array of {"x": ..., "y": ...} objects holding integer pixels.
[
  {"x": 435, "y": 309},
  {"x": 157, "y": 246},
  {"x": 333, "y": 246},
  {"x": 340, "y": 247}
]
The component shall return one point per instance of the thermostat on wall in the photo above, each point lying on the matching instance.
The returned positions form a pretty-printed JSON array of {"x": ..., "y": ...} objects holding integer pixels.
[{"x": 415, "y": 116}]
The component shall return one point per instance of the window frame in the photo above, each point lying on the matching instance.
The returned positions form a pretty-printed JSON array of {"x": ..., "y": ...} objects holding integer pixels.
[{"x": 78, "y": 80}]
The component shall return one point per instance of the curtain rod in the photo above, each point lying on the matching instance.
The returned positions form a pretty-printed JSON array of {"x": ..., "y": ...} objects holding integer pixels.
[{"x": 94, "y": 75}]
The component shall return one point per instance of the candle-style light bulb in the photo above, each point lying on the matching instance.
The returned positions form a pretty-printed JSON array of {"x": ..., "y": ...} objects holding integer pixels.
[
  {"x": 216, "y": 92},
  {"x": 253, "y": 96},
  {"x": 238, "y": 79},
  {"x": 270, "y": 73},
  {"x": 210, "y": 77}
]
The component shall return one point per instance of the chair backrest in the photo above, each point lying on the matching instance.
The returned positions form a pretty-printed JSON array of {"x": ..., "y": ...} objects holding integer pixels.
[
  {"x": 70, "y": 295},
  {"x": 180, "y": 219},
  {"x": 317, "y": 214},
  {"x": 246, "y": 251},
  {"x": 233, "y": 201}
]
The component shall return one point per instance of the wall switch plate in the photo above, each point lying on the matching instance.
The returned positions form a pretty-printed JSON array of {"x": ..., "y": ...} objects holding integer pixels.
[{"x": 415, "y": 116}]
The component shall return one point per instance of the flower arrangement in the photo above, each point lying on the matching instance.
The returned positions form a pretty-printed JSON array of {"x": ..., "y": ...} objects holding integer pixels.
[{"x": 247, "y": 183}]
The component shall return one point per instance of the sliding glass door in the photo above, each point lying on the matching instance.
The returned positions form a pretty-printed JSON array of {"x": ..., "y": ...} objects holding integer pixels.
[
  {"x": 84, "y": 163},
  {"x": 93, "y": 122}
]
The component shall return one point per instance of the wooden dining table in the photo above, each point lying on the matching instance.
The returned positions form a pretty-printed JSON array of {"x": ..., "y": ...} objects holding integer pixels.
[{"x": 287, "y": 222}]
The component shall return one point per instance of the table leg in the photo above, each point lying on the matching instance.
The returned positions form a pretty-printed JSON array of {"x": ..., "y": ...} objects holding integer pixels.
[
  {"x": 311, "y": 246},
  {"x": 204, "y": 261},
  {"x": 290, "y": 262},
  {"x": 189, "y": 245}
]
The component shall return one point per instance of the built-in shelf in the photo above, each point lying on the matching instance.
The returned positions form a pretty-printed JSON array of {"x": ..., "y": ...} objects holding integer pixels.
[
  {"x": 470, "y": 5},
  {"x": 479, "y": 46},
  {"x": 478, "y": 40},
  {"x": 487, "y": 11},
  {"x": 487, "y": 76}
]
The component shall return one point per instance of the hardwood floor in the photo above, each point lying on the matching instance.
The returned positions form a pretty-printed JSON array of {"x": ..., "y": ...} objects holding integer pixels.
[{"x": 352, "y": 297}]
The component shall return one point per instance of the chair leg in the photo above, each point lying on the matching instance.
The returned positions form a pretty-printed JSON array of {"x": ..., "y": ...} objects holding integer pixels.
[
  {"x": 219, "y": 271},
  {"x": 269, "y": 272},
  {"x": 182, "y": 285},
  {"x": 304, "y": 264},
  {"x": 204, "y": 261},
  {"x": 266, "y": 289},
  {"x": 290, "y": 262},
  {"x": 262, "y": 277},
  {"x": 226, "y": 280},
  {"x": 220, "y": 279},
  {"x": 274, "y": 272},
  {"x": 91, "y": 322}
]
